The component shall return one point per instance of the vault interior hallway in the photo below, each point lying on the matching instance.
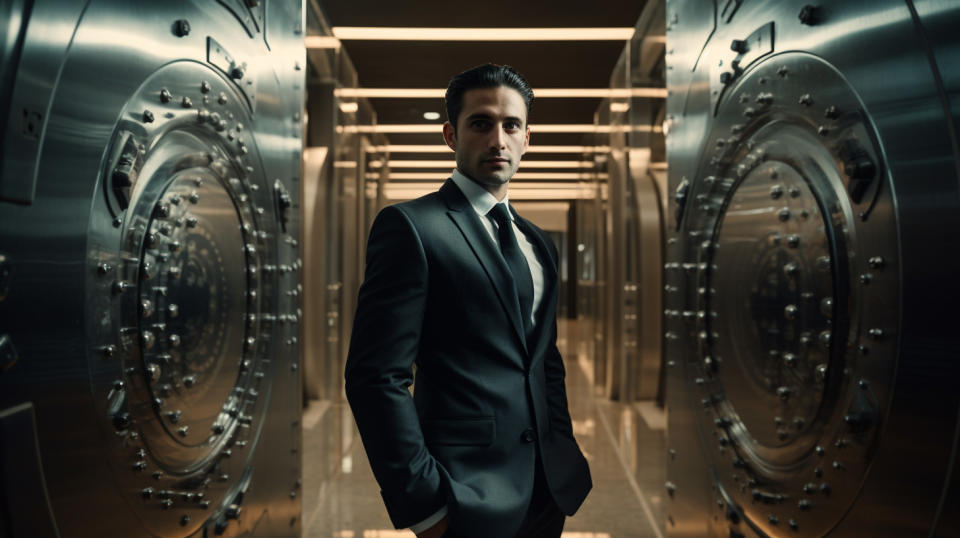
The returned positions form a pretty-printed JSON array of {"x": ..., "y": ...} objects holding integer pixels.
[
  {"x": 753, "y": 206},
  {"x": 623, "y": 442}
]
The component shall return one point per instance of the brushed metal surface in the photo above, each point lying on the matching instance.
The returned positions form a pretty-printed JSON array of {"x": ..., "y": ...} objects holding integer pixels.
[
  {"x": 154, "y": 264},
  {"x": 39, "y": 34},
  {"x": 813, "y": 160}
]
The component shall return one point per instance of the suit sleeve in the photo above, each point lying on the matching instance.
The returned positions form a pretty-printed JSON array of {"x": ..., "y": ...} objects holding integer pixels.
[
  {"x": 556, "y": 376},
  {"x": 383, "y": 348}
]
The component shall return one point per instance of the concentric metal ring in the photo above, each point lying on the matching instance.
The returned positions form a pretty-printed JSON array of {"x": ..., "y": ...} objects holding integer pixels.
[
  {"x": 192, "y": 309},
  {"x": 777, "y": 237}
]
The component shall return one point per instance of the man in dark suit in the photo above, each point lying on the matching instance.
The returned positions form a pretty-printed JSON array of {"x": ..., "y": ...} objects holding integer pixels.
[{"x": 460, "y": 285}]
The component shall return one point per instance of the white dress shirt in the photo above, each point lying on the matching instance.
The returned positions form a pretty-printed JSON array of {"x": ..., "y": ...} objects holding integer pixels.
[{"x": 482, "y": 202}]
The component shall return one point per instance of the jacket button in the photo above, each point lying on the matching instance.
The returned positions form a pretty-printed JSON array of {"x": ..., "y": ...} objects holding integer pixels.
[{"x": 528, "y": 435}]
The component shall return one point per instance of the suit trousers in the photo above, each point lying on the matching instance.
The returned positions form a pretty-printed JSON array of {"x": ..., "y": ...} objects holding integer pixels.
[{"x": 544, "y": 518}]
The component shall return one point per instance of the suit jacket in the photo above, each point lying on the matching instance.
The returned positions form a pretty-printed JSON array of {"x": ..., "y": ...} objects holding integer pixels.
[{"x": 437, "y": 293}]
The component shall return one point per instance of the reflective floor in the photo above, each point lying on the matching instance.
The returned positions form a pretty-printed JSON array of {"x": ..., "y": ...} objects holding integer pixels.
[{"x": 624, "y": 444}]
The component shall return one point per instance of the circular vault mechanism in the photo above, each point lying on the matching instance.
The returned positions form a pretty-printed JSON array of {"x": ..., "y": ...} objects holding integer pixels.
[
  {"x": 788, "y": 268},
  {"x": 190, "y": 272}
]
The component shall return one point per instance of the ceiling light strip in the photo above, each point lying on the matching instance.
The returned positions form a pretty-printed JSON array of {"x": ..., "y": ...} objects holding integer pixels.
[
  {"x": 440, "y": 148},
  {"x": 519, "y": 175},
  {"x": 613, "y": 93},
  {"x": 321, "y": 42},
  {"x": 396, "y": 128},
  {"x": 526, "y": 163},
  {"x": 539, "y": 93},
  {"x": 395, "y": 33},
  {"x": 434, "y": 185}
]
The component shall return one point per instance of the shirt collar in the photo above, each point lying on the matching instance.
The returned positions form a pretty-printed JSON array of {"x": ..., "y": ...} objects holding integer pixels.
[{"x": 480, "y": 198}]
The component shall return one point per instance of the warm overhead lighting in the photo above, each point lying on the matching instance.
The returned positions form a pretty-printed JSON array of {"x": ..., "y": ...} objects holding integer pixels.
[
  {"x": 420, "y": 164},
  {"x": 410, "y": 148},
  {"x": 321, "y": 42},
  {"x": 348, "y": 108},
  {"x": 389, "y": 92},
  {"x": 417, "y": 164},
  {"x": 568, "y": 149},
  {"x": 391, "y": 128},
  {"x": 619, "y": 107},
  {"x": 384, "y": 533},
  {"x": 585, "y": 176},
  {"x": 392, "y": 33},
  {"x": 587, "y": 128},
  {"x": 660, "y": 93},
  {"x": 539, "y": 93},
  {"x": 431, "y": 115},
  {"x": 536, "y": 128},
  {"x": 527, "y": 163},
  {"x": 440, "y": 148},
  {"x": 533, "y": 163}
]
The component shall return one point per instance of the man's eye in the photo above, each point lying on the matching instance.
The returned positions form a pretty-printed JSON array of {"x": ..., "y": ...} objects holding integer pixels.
[
  {"x": 479, "y": 124},
  {"x": 511, "y": 125}
]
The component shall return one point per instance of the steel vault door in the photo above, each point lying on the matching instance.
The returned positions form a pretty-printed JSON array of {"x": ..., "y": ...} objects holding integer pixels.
[
  {"x": 149, "y": 266},
  {"x": 809, "y": 307}
]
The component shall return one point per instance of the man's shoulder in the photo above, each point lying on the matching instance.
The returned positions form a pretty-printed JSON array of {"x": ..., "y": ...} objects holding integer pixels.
[
  {"x": 420, "y": 212},
  {"x": 423, "y": 207},
  {"x": 427, "y": 202}
]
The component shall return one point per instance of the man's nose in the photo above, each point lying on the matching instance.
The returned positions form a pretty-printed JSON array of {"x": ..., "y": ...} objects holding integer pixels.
[{"x": 498, "y": 138}]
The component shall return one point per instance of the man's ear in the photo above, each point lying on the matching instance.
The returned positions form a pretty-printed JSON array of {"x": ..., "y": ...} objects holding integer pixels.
[
  {"x": 450, "y": 135},
  {"x": 526, "y": 142}
]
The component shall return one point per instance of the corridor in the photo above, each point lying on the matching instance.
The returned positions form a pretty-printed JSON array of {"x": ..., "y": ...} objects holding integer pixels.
[{"x": 623, "y": 443}]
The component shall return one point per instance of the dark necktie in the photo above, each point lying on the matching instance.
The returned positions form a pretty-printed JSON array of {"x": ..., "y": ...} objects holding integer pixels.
[{"x": 516, "y": 261}]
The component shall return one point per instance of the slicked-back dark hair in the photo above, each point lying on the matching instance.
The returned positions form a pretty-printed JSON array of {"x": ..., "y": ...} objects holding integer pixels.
[{"x": 484, "y": 76}]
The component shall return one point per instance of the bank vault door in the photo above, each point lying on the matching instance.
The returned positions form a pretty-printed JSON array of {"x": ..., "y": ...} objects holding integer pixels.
[
  {"x": 812, "y": 364},
  {"x": 149, "y": 250}
]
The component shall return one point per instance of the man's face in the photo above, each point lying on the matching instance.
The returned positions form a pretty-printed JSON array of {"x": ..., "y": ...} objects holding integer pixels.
[{"x": 491, "y": 135}]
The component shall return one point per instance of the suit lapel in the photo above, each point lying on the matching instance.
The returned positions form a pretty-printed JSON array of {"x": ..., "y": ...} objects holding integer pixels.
[{"x": 466, "y": 219}]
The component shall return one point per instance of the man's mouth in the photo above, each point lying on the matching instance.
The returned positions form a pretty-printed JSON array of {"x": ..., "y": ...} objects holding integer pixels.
[{"x": 496, "y": 160}]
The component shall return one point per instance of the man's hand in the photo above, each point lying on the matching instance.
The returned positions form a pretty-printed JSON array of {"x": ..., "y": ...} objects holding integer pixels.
[{"x": 435, "y": 531}]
